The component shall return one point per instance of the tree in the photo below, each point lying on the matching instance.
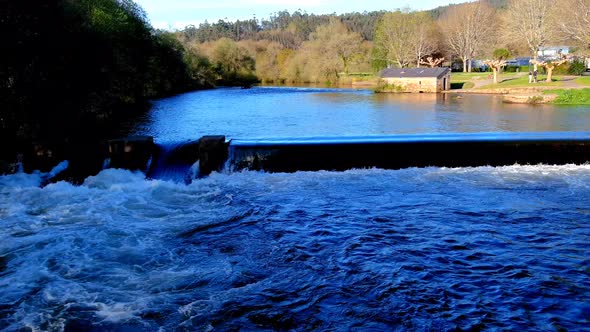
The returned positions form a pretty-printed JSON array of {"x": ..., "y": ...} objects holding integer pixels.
[
  {"x": 432, "y": 62},
  {"x": 549, "y": 67},
  {"x": 335, "y": 39},
  {"x": 425, "y": 33},
  {"x": 496, "y": 66},
  {"x": 467, "y": 28},
  {"x": 574, "y": 20},
  {"x": 229, "y": 59},
  {"x": 404, "y": 37},
  {"x": 332, "y": 48},
  {"x": 531, "y": 21},
  {"x": 501, "y": 54},
  {"x": 394, "y": 37}
]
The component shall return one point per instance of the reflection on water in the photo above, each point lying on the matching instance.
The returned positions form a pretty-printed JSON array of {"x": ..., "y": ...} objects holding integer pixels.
[{"x": 305, "y": 112}]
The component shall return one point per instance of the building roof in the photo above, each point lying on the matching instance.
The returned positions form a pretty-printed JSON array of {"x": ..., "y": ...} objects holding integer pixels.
[{"x": 437, "y": 72}]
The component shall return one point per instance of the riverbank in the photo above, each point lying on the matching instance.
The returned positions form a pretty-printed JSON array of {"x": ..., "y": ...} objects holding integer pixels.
[{"x": 562, "y": 90}]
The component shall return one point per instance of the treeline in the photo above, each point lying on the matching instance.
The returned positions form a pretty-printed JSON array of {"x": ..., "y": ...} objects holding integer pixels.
[
  {"x": 288, "y": 29},
  {"x": 70, "y": 65},
  {"x": 301, "y": 47}
]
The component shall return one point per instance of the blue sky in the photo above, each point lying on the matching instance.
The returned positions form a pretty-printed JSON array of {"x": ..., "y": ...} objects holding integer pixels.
[{"x": 175, "y": 14}]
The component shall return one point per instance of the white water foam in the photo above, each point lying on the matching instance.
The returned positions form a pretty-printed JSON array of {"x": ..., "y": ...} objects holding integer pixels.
[{"x": 114, "y": 245}]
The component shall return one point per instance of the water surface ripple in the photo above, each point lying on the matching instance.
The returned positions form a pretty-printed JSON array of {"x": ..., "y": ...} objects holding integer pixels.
[
  {"x": 502, "y": 248},
  {"x": 310, "y": 112}
]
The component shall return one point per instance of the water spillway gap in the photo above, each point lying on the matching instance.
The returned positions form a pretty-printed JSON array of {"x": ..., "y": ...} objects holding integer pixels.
[
  {"x": 183, "y": 162},
  {"x": 174, "y": 161}
]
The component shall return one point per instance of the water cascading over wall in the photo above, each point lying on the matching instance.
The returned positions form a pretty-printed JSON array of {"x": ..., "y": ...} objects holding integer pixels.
[{"x": 189, "y": 160}]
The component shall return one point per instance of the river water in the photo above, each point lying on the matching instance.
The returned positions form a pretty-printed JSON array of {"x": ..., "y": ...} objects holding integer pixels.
[
  {"x": 429, "y": 249},
  {"x": 310, "y": 112}
]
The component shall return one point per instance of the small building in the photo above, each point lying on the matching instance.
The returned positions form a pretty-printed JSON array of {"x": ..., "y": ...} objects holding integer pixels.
[{"x": 418, "y": 79}]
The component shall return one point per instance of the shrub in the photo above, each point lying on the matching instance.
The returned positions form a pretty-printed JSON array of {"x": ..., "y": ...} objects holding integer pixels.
[
  {"x": 512, "y": 69},
  {"x": 386, "y": 87},
  {"x": 577, "y": 67},
  {"x": 562, "y": 69}
]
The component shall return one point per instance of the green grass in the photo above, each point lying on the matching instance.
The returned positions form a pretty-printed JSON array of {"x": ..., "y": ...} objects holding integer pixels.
[
  {"x": 462, "y": 77},
  {"x": 523, "y": 82},
  {"x": 571, "y": 96},
  {"x": 584, "y": 80}
]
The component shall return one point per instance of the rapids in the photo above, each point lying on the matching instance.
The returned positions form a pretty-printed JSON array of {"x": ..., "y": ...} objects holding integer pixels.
[{"x": 504, "y": 248}]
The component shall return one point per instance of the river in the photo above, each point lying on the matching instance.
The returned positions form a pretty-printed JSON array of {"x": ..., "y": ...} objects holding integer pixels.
[
  {"x": 307, "y": 112},
  {"x": 486, "y": 248}
]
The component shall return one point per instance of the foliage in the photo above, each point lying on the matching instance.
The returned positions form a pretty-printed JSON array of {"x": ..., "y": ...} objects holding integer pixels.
[
  {"x": 514, "y": 69},
  {"x": 388, "y": 87},
  {"x": 501, "y": 54},
  {"x": 571, "y": 96},
  {"x": 71, "y": 62},
  {"x": 287, "y": 29},
  {"x": 577, "y": 67},
  {"x": 535, "y": 100},
  {"x": 405, "y": 37}
]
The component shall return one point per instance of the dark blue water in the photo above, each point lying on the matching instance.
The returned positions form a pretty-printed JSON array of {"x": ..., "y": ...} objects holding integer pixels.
[
  {"x": 432, "y": 249},
  {"x": 419, "y": 249}
]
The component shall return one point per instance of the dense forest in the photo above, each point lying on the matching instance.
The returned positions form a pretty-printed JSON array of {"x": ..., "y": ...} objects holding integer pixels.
[{"x": 71, "y": 68}]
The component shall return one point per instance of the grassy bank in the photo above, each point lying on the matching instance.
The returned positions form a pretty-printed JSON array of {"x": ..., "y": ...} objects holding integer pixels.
[
  {"x": 584, "y": 80},
  {"x": 571, "y": 96},
  {"x": 523, "y": 82}
]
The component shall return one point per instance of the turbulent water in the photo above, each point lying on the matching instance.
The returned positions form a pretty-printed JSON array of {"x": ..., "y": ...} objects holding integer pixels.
[{"x": 504, "y": 248}]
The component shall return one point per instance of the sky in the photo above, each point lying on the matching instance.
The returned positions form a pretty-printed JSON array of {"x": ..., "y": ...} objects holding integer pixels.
[{"x": 176, "y": 14}]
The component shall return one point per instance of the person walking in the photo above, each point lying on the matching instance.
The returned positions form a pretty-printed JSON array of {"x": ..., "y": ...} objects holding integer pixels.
[
  {"x": 530, "y": 77},
  {"x": 535, "y": 75}
]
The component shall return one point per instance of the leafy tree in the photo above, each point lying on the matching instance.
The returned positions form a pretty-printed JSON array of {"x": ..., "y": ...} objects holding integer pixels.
[
  {"x": 501, "y": 54},
  {"x": 72, "y": 68},
  {"x": 405, "y": 37},
  {"x": 335, "y": 41},
  {"x": 232, "y": 63}
]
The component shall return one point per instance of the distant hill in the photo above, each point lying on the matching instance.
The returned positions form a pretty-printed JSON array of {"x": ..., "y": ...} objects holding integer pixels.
[{"x": 439, "y": 11}]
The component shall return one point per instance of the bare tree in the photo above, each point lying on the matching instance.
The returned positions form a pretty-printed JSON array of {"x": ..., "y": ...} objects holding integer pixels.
[
  {"x": 432, "y": 62},
  {"x": 424, "y": 42},
  {"x": 574, "y": 20},
  {"x": 532, "y": 21},
  {"x": 549, "y": 67},
  {"x": 496, "y": 66},
  {"x": 467, "y": 28}
]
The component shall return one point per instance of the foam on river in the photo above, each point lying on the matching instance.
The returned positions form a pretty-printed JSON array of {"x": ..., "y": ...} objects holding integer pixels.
[{"x": 473, "y": 248}]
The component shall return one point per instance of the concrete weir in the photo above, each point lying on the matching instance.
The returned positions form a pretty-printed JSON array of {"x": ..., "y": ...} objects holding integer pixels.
[
  {"x": 214, "y": 153},
  {"x": 402, "y": 151}
]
